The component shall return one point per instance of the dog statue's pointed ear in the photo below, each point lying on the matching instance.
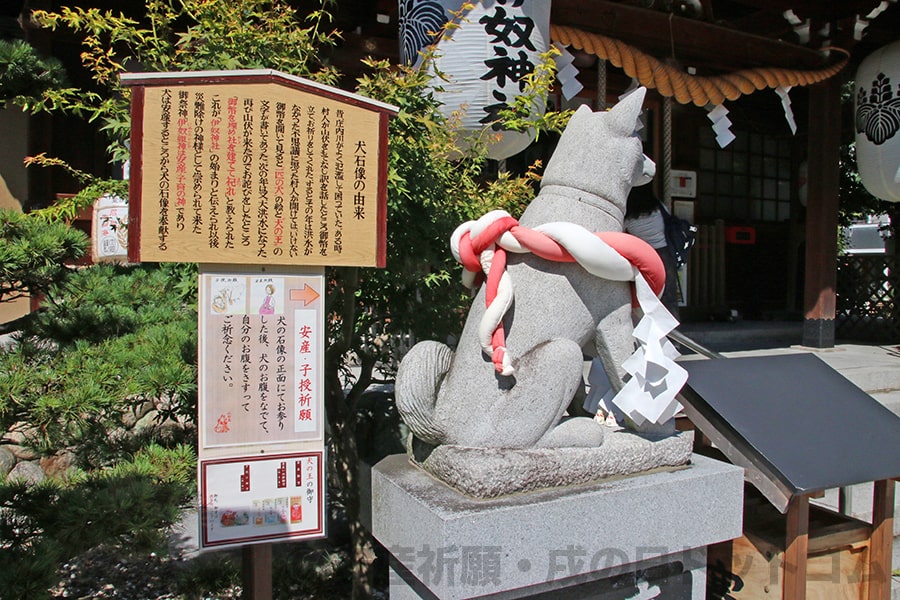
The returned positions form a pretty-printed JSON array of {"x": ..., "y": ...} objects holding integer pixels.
[
  {"x": 582, "y": 112},
  {"x": 624, "y": 115}
]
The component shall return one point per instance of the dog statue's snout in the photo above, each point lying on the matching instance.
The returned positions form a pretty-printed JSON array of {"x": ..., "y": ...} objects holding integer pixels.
[{"x": 648, "y": 170}]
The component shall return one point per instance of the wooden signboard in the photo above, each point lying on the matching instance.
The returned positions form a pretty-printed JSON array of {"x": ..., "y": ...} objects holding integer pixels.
[
  {"x": 255, "y": 168},
  {"x": 262, "y": 498},
  {"x": 261, "y": 405}
]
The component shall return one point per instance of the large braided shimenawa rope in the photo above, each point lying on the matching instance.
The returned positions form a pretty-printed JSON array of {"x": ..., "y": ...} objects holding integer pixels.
[{"x": 686, "y": 88}]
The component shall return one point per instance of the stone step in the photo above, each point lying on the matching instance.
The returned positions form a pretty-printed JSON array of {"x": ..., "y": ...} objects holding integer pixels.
[
  {"x": 875, "y": 369},
  {"x": 744, "y": 335}
]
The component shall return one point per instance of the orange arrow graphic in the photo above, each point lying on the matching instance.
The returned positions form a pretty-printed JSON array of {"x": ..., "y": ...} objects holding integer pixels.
[{"x": 307, "y": 295}]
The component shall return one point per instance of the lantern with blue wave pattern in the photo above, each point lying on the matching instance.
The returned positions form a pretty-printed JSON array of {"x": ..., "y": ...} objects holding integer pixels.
[{"x": 495, "y": 45}]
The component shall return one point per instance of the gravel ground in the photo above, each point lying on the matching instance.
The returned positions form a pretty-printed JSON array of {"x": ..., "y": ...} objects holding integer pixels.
[
  {"x": 108, "y": 573},
  {"x": 311, "y": 570},
  {"x": 301, "y": 573}
]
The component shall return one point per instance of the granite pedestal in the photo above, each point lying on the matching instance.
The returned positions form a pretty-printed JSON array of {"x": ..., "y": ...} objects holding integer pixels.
[{"x": 642, "y": 536}]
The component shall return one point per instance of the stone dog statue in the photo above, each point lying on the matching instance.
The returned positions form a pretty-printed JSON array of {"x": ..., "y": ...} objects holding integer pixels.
[{"x": 515, "y": 394}]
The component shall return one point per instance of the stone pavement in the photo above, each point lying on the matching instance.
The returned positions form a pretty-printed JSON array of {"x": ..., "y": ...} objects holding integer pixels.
[{"x": 874, "y": 368}]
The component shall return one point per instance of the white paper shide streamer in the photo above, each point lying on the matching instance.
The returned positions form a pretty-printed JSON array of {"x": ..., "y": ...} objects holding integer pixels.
[
  {"x": 567, "y": 73},
  {"x": 649, "y": 396},
  {"x": 721, "y": 125},
  {"x": 782, "y": 92}
]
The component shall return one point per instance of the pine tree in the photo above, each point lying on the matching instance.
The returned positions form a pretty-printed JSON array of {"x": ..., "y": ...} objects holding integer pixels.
[{"x": 118, "y": 337}]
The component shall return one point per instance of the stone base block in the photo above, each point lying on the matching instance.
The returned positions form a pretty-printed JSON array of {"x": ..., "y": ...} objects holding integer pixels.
[
  {"x": 682, "y": 578},
  {"x": 641, "y": 533}
]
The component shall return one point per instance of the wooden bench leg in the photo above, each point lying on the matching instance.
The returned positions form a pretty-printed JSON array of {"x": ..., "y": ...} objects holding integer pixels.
[
  {"x": 796, "y": 549},
  {"x": 880, "y": 548}
]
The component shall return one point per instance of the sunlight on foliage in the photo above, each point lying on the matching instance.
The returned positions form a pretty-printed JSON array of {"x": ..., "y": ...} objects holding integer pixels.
[{"x": 112, "y": 340}]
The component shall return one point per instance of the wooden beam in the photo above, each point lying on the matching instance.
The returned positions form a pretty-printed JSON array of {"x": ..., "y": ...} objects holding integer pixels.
[
  {"x": 796, "y": 549},
  {"x": 845, "y": 533},
  {"x": 880, "y": 546},
  {"x": 695, "y": 42},
  {"x": 769, "y": 24},
  {"x": 806, "y": 9}
]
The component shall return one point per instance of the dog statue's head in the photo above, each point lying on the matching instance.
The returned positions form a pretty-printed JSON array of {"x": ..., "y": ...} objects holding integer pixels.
[{"x": 600, "y": 153}]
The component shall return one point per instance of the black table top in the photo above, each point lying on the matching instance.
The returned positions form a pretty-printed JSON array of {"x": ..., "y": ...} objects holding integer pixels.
[{"x": 806, "y": 422}]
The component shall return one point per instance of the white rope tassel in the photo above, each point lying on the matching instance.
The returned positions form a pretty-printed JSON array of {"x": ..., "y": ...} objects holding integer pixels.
[{"x": 507, "y": 370}]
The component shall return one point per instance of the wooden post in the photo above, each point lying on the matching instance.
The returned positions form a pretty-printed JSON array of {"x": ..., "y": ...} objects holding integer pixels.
[
  {"x": 821, "y": 216},
  {"x": 880, "y": 546},
  {"x": 796, "y": 549},
  {"x": 256, "y": 568}
]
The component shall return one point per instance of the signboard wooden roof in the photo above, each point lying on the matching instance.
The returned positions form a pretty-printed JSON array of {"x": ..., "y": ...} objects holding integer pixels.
[
  {"x": 256, "y": 167},
  {"x": 794, "y": 423}
]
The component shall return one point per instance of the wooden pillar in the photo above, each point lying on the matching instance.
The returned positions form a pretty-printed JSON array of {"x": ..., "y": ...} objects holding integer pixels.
[
  {"x": 41, "y": 180},
  {"x": 796, "y": 549},
  {"x": 880, "y": 547},
  {"x": 821, "y": 216},
  {"x": 256, "y": 567}
]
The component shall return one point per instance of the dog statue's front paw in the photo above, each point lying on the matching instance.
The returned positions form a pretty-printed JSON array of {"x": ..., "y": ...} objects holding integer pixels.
[{"x": 576, "y": 432}]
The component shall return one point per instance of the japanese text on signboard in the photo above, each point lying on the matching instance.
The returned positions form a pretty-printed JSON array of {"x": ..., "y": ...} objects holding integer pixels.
[
  {"x": 262, "y": 360},
  {"x": 234, "y": 175}
]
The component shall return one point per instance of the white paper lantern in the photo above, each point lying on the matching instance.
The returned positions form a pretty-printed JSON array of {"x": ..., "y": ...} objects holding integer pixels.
[
  {"x": 497, "y": 43},
  {"x": 878, "y": 122}
]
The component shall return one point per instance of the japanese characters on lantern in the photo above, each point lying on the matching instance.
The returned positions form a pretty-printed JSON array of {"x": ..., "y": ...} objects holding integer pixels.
[{"x": 486, "y": 58}]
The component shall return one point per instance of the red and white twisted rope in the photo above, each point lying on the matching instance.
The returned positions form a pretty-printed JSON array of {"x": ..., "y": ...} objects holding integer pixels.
[{"x": 481, "y": 246}]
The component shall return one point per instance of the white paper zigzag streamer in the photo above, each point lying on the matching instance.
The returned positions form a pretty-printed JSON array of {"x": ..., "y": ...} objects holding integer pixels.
[
  {"x": 567, "y": 73},
  {"x": 721, "y": 125},
  {"x": 782, "y": 91}
]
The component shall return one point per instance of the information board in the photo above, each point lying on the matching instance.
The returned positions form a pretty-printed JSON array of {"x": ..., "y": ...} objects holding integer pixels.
[
  {"x": 256, "y": 167},
  {"x": 264, "y": 179},
  {"x": 261, "y": 499},
  {"x": 261, "y": 404}
]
